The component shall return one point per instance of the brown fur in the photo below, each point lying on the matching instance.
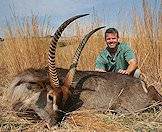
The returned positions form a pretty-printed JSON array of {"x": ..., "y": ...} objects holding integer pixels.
[{"x": 90, "y": 90}]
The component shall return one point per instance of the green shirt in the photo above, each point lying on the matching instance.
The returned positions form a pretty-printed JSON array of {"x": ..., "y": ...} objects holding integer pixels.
[{"x": 119, "y": 61}]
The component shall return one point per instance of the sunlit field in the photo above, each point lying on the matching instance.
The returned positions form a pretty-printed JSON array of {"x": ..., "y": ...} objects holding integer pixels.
[{"x": 26, "y": 45}]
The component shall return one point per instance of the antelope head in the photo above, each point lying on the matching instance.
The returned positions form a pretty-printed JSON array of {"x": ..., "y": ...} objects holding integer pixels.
[{"x": 57, "y": 96}]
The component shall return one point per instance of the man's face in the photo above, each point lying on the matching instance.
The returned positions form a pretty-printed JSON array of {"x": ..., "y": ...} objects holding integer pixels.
[{"x": 111, "y": 40}]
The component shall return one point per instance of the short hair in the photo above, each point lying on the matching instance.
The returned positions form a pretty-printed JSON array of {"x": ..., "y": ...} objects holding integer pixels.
[{"x": 112, "y": 30}]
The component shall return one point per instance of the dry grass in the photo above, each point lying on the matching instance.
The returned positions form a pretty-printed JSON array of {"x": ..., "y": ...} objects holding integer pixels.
[
  {"x": 26, "y": 45},
  {"x": 80, "y": 121},
  {"x": 147, "y": 41}
]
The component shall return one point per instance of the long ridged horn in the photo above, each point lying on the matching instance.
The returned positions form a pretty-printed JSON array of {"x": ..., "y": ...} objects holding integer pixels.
[
  {"x": 52, "y": 49},
  {"x": 70, "y": 75}
]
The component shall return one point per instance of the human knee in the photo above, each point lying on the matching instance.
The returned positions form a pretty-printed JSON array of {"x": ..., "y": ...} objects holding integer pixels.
[{"x": 137, "y": 73}]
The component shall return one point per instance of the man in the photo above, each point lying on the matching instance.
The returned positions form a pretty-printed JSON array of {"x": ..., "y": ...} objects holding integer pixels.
[{"x": 117, "y": 57}]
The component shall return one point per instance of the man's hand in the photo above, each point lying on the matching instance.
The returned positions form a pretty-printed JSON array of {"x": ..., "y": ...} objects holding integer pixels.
[
  {"x": 132, "y": 66},
  {"x": 123, "y": 72}
]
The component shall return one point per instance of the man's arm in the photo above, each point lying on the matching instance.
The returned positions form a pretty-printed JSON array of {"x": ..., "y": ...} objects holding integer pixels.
[
  {"x": 131, "y": 58},
  {"x": 133, "y": 64}
]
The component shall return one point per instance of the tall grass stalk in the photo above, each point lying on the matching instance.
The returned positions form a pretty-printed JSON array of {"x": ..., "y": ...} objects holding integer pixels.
[
  {"x": 147, "y": 41},
  {"x": 25, "y": 45}
]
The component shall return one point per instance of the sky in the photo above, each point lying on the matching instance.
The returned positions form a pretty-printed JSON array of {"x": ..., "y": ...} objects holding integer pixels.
[{"x": 110, "y": 12}]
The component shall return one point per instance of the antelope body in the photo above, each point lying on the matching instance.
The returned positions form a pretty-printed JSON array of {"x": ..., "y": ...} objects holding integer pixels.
[{"x": 51, "y": 91}]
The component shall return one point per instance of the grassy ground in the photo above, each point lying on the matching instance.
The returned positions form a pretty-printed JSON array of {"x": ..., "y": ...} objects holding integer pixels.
[{"x": 90, "y": 121}]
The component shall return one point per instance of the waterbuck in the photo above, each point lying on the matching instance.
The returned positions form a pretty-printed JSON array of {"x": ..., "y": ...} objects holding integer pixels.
[{"x": 51, "y": 92}]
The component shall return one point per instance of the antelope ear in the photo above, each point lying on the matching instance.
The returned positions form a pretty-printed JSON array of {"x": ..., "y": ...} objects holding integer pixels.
[{"x": 41, "y": 102}]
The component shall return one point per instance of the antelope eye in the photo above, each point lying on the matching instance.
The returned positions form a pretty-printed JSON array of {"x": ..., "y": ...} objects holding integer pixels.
[{"x": 50, "y": 97}]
